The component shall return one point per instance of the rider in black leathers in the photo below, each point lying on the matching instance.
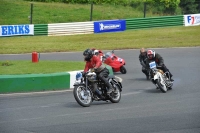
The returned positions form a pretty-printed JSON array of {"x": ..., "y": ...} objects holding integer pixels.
[
  {"x": 142, "y": 59},
  {"x": 153, "y": 56}
]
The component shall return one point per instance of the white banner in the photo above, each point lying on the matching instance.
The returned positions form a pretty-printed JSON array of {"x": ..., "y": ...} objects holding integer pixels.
[
  {"x": 13, "y": 30},
  {"x": 192, "y": 20}
]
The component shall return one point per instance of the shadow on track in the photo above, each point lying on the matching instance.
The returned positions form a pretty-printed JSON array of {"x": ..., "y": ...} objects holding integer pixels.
[{"x": 94, "y": 103}]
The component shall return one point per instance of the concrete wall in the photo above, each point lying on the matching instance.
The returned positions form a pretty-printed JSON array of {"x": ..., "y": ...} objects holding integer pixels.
[{"x": 38, "y": 82}]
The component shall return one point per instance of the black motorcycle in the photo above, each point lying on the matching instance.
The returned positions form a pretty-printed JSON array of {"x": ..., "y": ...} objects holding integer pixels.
[{"x": 83, "y": 89}]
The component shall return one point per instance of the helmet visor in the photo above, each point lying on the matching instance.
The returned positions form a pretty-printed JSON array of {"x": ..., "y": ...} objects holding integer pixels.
[{"x": 150, "y": 56}]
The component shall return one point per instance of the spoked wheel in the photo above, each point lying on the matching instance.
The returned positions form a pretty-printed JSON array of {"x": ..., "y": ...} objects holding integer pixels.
[
  {"x": 162, "y": 86},
  {"x": 123, "y": 70},
  {"x": 115, "y": 96},
  {"x": 82, "y": 96}
]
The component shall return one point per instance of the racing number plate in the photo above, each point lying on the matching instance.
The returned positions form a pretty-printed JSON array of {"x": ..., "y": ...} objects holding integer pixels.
[{"x": 152, "y": 65}]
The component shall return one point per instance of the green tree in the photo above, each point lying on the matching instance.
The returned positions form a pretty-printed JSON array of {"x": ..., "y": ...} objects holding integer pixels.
[
  {"x": 198, "y": 5},
  {"x": 188, "y": 6},
  {"x": 167, "y": 6}
]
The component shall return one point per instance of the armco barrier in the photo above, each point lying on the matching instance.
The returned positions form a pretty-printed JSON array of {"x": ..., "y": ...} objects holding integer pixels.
[
  {"x": 38, "y": 82},
  {"x": 40, "y": 29},
  {"x": 59, "y": 29},
  {"x": 140, "y": 23}
]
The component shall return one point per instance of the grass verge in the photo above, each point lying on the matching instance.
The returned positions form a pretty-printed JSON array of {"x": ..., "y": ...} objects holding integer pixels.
[
  {"x": 42, "y": 67},
  {"x": 130, "y": 39},
  {"x": 17, "y": 12}
]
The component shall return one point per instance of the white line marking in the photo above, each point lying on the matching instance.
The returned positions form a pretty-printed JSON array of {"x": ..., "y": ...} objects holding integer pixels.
[{"x": 132, "y": 93}]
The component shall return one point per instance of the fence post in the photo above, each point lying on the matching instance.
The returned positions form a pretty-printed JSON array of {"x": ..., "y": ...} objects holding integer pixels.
[
  {"x": 91, "y": 11},
  {"x": 199, "y": 6},
  {"x": 144, "y": 9},
  {"x": 31, "y": 15}
]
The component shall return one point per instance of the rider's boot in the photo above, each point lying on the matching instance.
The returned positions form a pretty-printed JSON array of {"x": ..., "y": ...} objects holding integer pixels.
[
  {"x": 171, "y": 76},
  {"x": 110, "y": 89},
  {"x": 147, "y": 76},
  {"x": 145, "y": 72},
  {"x": 98, "y": 94}
]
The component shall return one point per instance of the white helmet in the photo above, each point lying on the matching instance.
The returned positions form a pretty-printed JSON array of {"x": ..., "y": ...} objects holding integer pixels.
[
  {"x": 96, "y": 52},
  {"x": 150, "y": 54}
]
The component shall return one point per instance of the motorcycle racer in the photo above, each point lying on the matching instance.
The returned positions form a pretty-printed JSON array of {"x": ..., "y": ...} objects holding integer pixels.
[
  {"x": 93, "y": 61},
  {"x": 98, "y": 53},
  {"x": 153, "y": 56},
  {"x": 142, "y": 59}
]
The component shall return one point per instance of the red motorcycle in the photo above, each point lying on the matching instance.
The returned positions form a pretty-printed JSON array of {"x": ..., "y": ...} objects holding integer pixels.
[{"x": 115, "y": 62}]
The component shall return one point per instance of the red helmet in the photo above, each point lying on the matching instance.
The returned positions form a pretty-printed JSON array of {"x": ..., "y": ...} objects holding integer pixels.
[{"x": 150, "y": 54}]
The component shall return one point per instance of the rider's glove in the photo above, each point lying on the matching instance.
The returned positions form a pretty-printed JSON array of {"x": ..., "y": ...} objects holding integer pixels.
[
  {"x": 160, "y": 65},
  {"x": 83, "y": 73},
  {"x": 94, "y": 70}
]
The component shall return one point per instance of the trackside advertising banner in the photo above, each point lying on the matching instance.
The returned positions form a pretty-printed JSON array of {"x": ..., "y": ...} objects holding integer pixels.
[
  {"x": 14, "y": 30},
  {"x": 192, "y": 20},
  {"x": 109, "y": 26}
]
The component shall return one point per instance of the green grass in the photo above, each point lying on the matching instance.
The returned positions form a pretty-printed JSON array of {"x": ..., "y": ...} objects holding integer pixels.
[
  {"x": 131, "y": 39},
  {"x": 42, "y": 67},
  {"x": 17, "y": 12}
]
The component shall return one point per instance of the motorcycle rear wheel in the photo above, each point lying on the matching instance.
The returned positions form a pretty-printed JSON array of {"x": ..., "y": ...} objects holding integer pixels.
[
  {"x": 115, "y": 97},
  {"x": 123, "y": 70},
  {"x": 82, "y": 96}
]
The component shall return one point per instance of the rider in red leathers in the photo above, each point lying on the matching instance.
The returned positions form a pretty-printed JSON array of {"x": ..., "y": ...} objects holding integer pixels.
[
  {"x": 98, "y": 53},
  {"x": 94, "y": 62}
]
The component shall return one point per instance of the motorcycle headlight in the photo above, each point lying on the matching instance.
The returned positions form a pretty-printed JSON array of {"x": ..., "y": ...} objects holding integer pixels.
[
  {"x": 78, "y": 81},
  {"x": 79, "y": 76}
]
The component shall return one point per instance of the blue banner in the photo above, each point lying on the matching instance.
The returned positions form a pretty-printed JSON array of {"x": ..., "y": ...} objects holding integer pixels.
[
  {"x": 109, "y": 26},
  {"x": 13, "y": 30}
]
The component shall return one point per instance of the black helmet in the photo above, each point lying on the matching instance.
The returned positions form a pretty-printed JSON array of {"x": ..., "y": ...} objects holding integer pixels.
[{"x": 88, "y": 54}]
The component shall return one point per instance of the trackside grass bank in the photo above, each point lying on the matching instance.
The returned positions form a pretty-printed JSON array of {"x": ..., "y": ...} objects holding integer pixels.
[{"x": 130, "y": 39}]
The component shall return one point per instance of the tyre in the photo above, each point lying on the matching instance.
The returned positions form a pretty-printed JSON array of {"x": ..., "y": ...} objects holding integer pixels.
[
  {"x": 82, "y": 96},
  {"x": 115, "y": 96},
  {"x": 123, "y": 70},
  {"x": 162, "y": 87}
]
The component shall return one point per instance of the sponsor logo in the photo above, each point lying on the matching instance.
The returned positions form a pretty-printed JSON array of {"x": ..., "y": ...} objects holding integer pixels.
[
  {"x": 109, "y": 26},
  {"x": 15, "y": 30},
  {"x": 193, "y": 19}
]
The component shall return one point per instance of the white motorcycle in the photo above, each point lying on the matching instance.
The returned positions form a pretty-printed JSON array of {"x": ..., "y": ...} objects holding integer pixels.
[{"x": 159, "y": 78}]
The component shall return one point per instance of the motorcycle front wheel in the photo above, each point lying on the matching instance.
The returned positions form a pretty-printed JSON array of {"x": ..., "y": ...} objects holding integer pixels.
[
  {"x": 82, "y": 96},
  {"x": 123, "y": 70},
  {"x": 115, "y": 96},
  {"x": 162, "y": 87}
]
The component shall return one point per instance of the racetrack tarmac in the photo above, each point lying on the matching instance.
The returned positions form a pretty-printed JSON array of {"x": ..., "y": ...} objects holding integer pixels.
[{"x": 142, "y": 109}]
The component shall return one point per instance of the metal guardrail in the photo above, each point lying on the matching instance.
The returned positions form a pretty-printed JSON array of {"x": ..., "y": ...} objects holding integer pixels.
[
  {"x": 140, "y": 23},
  {"x": 70, "y": 28}
]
